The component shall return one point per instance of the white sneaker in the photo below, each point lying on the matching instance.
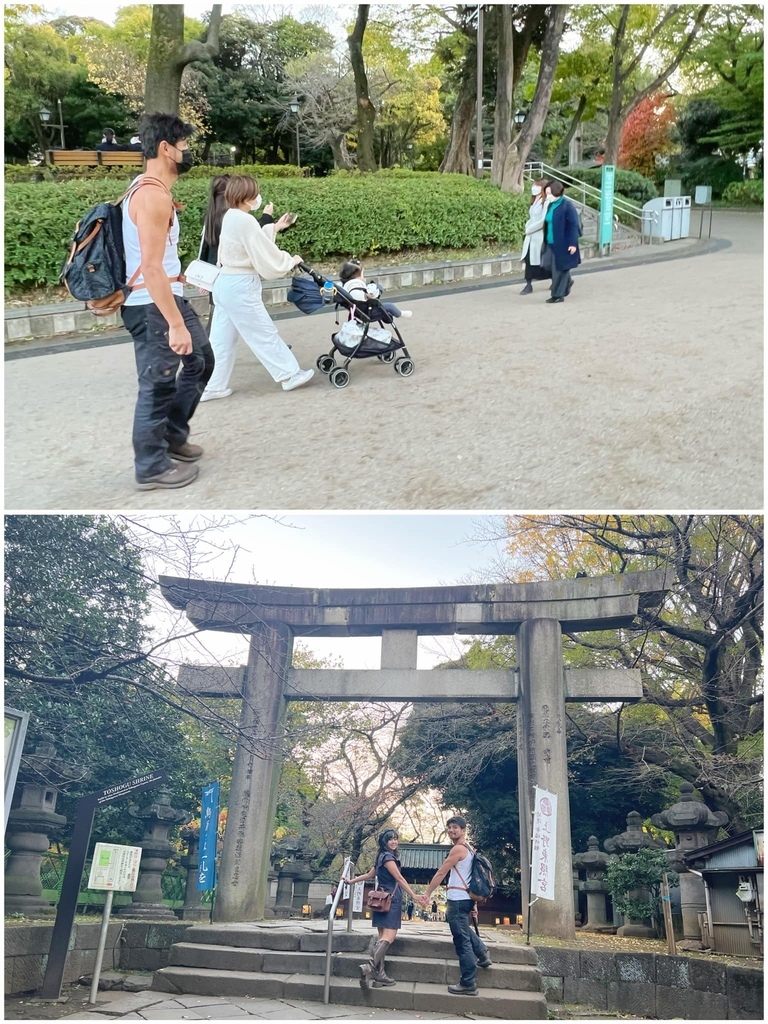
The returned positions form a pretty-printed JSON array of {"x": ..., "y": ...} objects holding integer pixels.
[
  {"x": 298, "y": 379},
  {"x": 406, "y": 312},
  {"x": 211, "y": 396}
]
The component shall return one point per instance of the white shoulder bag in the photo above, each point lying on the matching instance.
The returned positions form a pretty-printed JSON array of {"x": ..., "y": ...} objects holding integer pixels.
[{"x": 201, "y": 274}]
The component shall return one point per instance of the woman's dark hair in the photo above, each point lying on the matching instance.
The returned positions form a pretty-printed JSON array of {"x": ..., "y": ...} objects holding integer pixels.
[
  {"x": 349, "y": 270},
  {"x": 157, "y": 128},
  {"x": 109, "y": 134},
  {"x": 556, "y": 188},
  {"x": 384, "y": 837},
  {"x": 217, "y": 207}
]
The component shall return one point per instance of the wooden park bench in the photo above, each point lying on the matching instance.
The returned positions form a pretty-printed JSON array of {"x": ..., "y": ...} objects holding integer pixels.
[{"x": 93, "y": 158}]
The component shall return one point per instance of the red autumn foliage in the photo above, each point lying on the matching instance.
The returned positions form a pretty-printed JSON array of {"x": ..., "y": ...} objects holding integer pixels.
[{"x": 646, "y": 134}]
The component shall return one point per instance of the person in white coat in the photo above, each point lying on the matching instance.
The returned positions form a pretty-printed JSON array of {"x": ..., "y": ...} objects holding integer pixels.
[
  {"x": 534, "y": 236},
  {"x": 247, "y": 252}
]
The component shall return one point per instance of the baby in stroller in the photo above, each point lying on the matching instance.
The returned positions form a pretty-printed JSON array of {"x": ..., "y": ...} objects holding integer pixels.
[{"x": 351, "y": 278}]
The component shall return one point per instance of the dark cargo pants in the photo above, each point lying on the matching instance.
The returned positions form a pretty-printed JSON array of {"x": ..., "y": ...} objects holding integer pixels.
[{"x": 167, "y": 398}]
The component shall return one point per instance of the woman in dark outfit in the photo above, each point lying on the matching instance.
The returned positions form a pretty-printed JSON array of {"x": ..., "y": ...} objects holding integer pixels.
[
  {"x": 562, "y": 235},
  {"x": 387, "y": 870}
]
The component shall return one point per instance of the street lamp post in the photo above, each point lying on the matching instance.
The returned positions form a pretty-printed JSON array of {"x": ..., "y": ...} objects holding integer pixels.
[
  {"x": 520, "y": 116},
  {"x": 232, "y": 151},
  {"x": 479, "y": 125},
  {"x": 409, "y": 147},
  {"x": 45, "y": 117},
  {"x": 295, "y": 112}
]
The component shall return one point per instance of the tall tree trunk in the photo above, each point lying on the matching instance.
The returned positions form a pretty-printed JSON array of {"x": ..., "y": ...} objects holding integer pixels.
[
  {"x": 169, "y": 55},
  {"x": 565, "y": 142},
  {"x": 366, "y": 112},
  {"x": 517, "y": 153},
  {"x": 457, "y": 158},
  {"x": 342, "y": 161},
  {"x": 505, "y": 69}
]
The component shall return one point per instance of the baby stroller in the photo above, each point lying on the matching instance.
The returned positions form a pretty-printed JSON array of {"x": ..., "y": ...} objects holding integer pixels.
[{"x": 361, "y": 337}]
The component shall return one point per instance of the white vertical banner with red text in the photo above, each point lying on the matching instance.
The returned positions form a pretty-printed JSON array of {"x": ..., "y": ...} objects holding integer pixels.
[{"x": 544, "y": 845}]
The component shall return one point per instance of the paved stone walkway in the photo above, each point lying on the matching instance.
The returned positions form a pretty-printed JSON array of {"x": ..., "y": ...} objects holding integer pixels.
[{"x": 643, "y": 390}]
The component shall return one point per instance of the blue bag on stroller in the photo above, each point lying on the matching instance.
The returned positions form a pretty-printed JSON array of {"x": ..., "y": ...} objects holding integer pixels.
[{"x": 360, "y": 338}]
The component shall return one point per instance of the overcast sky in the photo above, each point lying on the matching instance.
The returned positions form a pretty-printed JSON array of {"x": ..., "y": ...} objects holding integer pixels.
[{"x": 333, "y": 550}]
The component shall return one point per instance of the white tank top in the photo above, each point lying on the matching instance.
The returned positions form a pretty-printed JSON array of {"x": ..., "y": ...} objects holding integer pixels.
[
  {"x": 458, "y": 880},
  {"x": 171, "y": 261}
]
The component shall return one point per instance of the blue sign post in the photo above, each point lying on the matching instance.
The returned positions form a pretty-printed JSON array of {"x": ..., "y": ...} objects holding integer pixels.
[
  {"x": 209, "y": 819},
  {"x": 606, "y": 207}
]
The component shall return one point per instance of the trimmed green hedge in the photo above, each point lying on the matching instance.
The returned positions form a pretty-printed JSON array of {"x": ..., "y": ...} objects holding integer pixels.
[
  {"x": 337, "y": 217},
  {"x": 744, "y": 193},
  {"x": 630, "y": 184},
  {"x": 21, "y": 173}
]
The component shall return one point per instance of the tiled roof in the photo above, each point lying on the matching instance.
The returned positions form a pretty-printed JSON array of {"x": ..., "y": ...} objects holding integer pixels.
[{"x": 422, "y": 856}]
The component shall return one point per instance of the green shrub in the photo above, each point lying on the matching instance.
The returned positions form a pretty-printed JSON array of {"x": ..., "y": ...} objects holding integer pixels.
[
  {"x": 744, "y": 193},
  {"x": 713, "y": 170},
  {"x": 255, "y": 170},
  {"x": 630, "y": 184},
  {"x": 338, "y": 216}
]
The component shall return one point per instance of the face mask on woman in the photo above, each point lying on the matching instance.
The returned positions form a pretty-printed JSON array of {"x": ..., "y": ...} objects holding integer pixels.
[
  {"x": 256, "y": 203},
  {"x": 535, "y": 190}
]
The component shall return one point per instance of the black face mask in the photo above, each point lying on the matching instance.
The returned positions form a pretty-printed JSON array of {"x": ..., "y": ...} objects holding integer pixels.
[{"x": 187, "y": 161}]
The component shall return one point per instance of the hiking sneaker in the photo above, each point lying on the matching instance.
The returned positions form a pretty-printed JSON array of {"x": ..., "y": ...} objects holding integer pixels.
[
  {"x": 179, "y": 475},
  {"x": 463, "y": 990},
  {"x": 298, "y": 380},
  {"x": 211, "y": 396},
  {"x": 185, "y": 452},
  {"x": 485, "y": 962}
]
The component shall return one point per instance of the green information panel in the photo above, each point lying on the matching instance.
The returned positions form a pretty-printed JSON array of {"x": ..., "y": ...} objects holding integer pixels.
[{"x": 606, "y": 206}]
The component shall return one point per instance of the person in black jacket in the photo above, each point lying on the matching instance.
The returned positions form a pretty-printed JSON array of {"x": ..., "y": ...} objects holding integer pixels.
[{"x": 562, "y": 237}]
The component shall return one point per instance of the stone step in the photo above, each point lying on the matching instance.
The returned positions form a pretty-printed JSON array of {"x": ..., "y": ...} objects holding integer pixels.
[
  {"x": 418, "y": 996},
  {"x": 267, "y": 938},
  {"x": 346, "y": 965}
]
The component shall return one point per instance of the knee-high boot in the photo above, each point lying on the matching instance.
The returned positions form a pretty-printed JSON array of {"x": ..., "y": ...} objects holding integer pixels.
[{"x": 373, "y": 969}]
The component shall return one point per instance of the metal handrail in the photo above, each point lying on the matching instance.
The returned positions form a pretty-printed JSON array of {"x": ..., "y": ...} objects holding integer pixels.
[
  {"x": 331, "y": 919},
  {"x": 538, "y": 169}
]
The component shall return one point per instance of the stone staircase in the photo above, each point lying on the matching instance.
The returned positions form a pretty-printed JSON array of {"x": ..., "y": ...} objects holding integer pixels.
[{"x": 287, "y": 961}]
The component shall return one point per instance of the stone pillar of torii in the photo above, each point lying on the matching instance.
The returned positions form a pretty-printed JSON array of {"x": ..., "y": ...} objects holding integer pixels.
[{"x": 537, "y": 613}]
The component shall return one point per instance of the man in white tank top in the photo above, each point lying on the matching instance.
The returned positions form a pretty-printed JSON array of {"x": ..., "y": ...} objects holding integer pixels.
[
  {"x": 471, "y": 951},
  {"x": 167, "y": 333}
]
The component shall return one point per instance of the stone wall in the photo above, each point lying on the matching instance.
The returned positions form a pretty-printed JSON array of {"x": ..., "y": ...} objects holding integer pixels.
[
  {"x": 135, "y": 945},
  {"x": 652, "y": 984}
]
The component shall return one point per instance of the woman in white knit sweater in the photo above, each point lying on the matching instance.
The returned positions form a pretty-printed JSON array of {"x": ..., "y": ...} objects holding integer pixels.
[{"x": 247, "y": 252}]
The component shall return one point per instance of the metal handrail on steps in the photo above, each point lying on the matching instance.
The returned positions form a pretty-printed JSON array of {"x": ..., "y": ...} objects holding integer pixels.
[
  {"x": 538, "y": 169},
  {"x": 331, "y": 919}
]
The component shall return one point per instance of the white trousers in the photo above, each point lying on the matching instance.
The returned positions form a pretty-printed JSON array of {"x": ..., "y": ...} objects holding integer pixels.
[{"x": 239, "y": 311}]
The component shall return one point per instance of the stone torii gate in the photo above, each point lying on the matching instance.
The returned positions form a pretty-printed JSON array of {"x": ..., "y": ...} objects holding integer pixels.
[{"x": 536, "y": 612}]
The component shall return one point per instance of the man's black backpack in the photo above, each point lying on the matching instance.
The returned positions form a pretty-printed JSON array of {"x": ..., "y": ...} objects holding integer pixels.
[
  {"x": 482, "y": 883},
  {"x": 94, "y": 271}
]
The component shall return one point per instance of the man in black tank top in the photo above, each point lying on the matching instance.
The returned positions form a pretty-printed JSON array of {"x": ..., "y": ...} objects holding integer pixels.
[{"x": 471, "y": 952}]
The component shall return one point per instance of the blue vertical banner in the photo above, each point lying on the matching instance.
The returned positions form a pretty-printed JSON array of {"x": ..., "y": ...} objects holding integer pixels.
[
  {"x": 606, "y": 206},
  {"x": 209, "y": 819}
]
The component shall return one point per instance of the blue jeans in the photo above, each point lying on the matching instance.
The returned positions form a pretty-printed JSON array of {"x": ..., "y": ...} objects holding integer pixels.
[
  {"x": 457, "y": 916},
  {"x": 167, "y": 398}
]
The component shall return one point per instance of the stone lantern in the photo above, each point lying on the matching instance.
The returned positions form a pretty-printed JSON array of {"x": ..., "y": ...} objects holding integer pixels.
[
  {"x": 194, "y": 909},
  {"x": 159, "y": 818},
  {"x": 694, "y": 826},
  {"x": 631, "y": 841},
  {"x": 301, "y": 886},
  {"x": 32, "y": 823},
  {"x": 594, "y": 863}
]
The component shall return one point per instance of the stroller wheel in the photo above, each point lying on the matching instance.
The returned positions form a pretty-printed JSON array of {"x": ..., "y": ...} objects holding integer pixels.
[
  {"x": 325, "y": 363},
  {"x": 404, "y": 367},
  {"x": 339, "y": 377},
  {"x": 387, "y": 357}
]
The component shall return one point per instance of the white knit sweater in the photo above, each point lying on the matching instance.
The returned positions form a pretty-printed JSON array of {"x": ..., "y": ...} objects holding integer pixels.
[{"x": 245, "y": 247}]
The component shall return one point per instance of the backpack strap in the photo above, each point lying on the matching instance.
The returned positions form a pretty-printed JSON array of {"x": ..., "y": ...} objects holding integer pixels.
[
  {"x": 146, "y": 179},
  {"x": 465, "y": 888}
]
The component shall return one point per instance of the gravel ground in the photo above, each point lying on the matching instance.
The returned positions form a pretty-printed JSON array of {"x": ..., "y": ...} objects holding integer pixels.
[{"x": 643, "y": 390}]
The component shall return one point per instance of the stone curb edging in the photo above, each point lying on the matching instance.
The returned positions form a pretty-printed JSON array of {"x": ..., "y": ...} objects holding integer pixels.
[{"x": 28, "y": 323}]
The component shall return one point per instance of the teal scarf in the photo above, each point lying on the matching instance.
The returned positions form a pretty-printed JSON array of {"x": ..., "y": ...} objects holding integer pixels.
[{"x": 548, "y": 219}]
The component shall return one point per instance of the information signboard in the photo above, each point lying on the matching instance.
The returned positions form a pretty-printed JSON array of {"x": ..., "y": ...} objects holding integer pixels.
[
  {"x": 544, "y": 846},
  {"x": 357, "y": 898},
  {"x": 115, "y": 868},
  {"x": 606, "y": 206}
]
